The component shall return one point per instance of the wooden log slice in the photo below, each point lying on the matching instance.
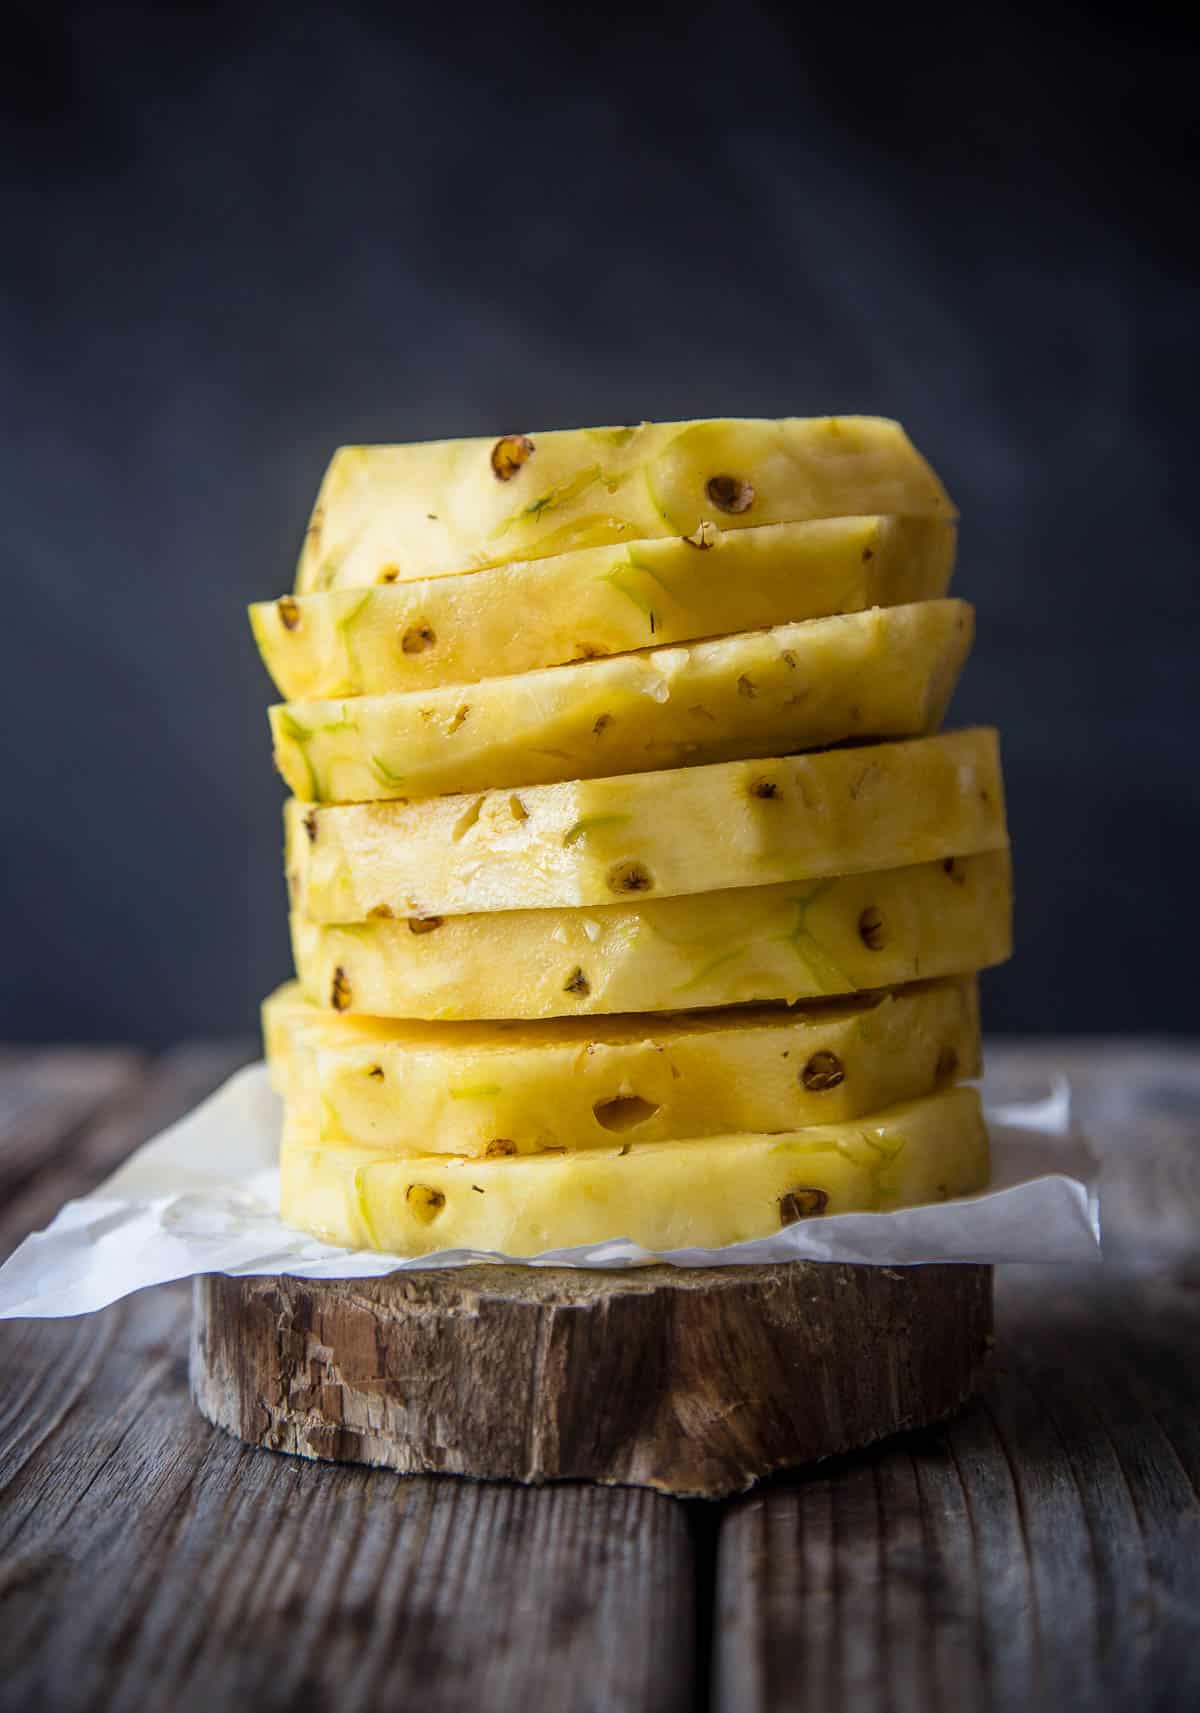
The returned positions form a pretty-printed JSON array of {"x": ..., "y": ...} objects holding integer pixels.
[{"x": 693, "y": 1381}]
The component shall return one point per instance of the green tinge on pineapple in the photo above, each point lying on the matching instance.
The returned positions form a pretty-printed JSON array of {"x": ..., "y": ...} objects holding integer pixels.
[
  {"x": 489, "y": 1089},
  {"x": 600, "y": 601},
  {"x": 888, "y": 672},
  {"x": 726, "y": 825},
  {"x": 389, "y": 514},
  {"x": 702, "y": 1192},
  {"x": 861, "y": 931}
]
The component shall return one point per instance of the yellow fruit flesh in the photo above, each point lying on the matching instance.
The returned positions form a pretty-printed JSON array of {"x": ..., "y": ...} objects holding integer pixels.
[
  {"x": 600, "y": 601},
  {"x": 398, "y": 513},
  {"x": 656, "y": 835},
  {"x": 889, "y": 672},
  {"x": 497, "y": 1089},
  {"x": 795, "y": 941},
  {"x": 703, "y": 1192}
]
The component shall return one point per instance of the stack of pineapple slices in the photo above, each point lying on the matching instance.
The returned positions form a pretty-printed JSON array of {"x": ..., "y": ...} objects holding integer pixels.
[{"x": 634, "y": 890}]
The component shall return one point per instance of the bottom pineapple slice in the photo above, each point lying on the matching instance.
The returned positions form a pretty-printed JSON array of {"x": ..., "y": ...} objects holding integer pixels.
[
  {"x": 786, "y": 942},
  {"x": 663, "y": 1195},
  {"x": 494, "y": 1089}
]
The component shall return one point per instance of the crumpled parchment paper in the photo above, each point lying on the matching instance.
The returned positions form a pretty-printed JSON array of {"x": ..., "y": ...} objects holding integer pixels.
[{"x": 202, "y": 1198}]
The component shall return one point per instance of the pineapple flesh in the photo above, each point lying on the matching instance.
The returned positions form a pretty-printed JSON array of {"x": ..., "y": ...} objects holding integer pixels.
[
  {"x": 700, "y": 1192},
  {"x": 596, "y": 602},
  {"x": 488, "y": 1090},
  {"x": 798, "y": 940},
  {"x": 389, "y": 514},
  {"x": 697, "y": 829},
  {"x": 888, "y": 672}
]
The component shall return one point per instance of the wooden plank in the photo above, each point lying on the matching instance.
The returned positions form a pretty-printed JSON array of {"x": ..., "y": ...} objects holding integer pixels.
[
  {"x": 152, "y": 1561},
  {"x": 1043, "y": 1549},
  {"x": 148, "y": 1560},
  {"x": 1140, "y": 1104},
  {"x": 88, "y": 1110},
  {"x": 47, "y": 1095}
]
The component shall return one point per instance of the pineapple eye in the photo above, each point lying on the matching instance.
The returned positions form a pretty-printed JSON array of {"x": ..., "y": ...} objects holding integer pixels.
[
  {"x": 417, "y": 638},
  {"x": 802, "y": 1204},
  {"x": 425, "y": 1202},
  {"x": 508, "y": 455},
  {"x": 499, "y": 1148},
  {"x": 423, "y": 924},
  {"x": 468, "y": 817},
  {"x": 951, "y": 867},
  {"x": 630, "y": 877},
  {"x": 340, "y": 995},
  {"x": 823, "y": 1071},
  {"x": 871, "y": 930},
  {"x": 289, "y": 612},
  {"x": 730, "y": 493},
  {"x": 623, "y": 1112}
]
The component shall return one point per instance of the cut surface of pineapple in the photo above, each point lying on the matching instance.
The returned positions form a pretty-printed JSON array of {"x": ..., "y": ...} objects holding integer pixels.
[
  {"x": 397, "y": 513},
  {"x": 888, "y": 672},
  {"x": 498, "y": 1089},
  {"x": 650, "y": 835},
  {"x": 702, "y": 1192},
  {"x": 596, "y": 602},
  {"x": 787, "y": 942}
]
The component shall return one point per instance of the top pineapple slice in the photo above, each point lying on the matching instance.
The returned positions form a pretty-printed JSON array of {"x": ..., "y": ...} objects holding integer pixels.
[
  {"x": 597, "y": 601},
  {"x": 888, "y": 672},
  {"x": 394, "y": 513}
]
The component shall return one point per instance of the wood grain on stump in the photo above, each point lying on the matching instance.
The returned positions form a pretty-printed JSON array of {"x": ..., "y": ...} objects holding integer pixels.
[{"x": 693, "y": 1381}]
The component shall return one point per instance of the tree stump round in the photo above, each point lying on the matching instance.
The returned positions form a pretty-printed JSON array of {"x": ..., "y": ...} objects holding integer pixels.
[{"x": 693, "y": 1381}]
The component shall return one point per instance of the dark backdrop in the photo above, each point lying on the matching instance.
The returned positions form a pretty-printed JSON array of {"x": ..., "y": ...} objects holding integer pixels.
[{"x": 236, "y": 236}]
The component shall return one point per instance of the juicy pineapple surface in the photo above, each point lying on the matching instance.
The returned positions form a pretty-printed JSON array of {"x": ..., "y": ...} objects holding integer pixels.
[
  {"x": 599, "y": 601},
  {"x": 491, "y": 1090},
  {"x": 786, "y": 942},
  {"x": 397, "y": 513},
  {"x": 650, "y": 835},
  {"x": 888, "y": 672},
  {"x": 701, "y": 1192}
]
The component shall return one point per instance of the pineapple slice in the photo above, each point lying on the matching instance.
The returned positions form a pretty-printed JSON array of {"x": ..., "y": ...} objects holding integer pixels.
[
  {"x": 888, "y": 672},
  {"x": 493, "y": 1089},
  {"x": 602, "y": 600},
  {"x": 731, "y": 824},
  {"x": 787, "y": 942},
  {"x": 703, "y": 1192},
  {"x": 390, "y": 514}
]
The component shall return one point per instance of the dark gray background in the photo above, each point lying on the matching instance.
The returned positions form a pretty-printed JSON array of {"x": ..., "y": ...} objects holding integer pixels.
[{"x": 236, "y": 236}]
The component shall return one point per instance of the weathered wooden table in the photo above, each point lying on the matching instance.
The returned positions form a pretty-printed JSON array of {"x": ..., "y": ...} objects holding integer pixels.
[{"x": 1042, "y": 1550}]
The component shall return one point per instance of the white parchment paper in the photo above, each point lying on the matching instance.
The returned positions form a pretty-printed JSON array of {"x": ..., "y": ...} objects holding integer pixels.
[{"x": 202, "y": 1198}]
